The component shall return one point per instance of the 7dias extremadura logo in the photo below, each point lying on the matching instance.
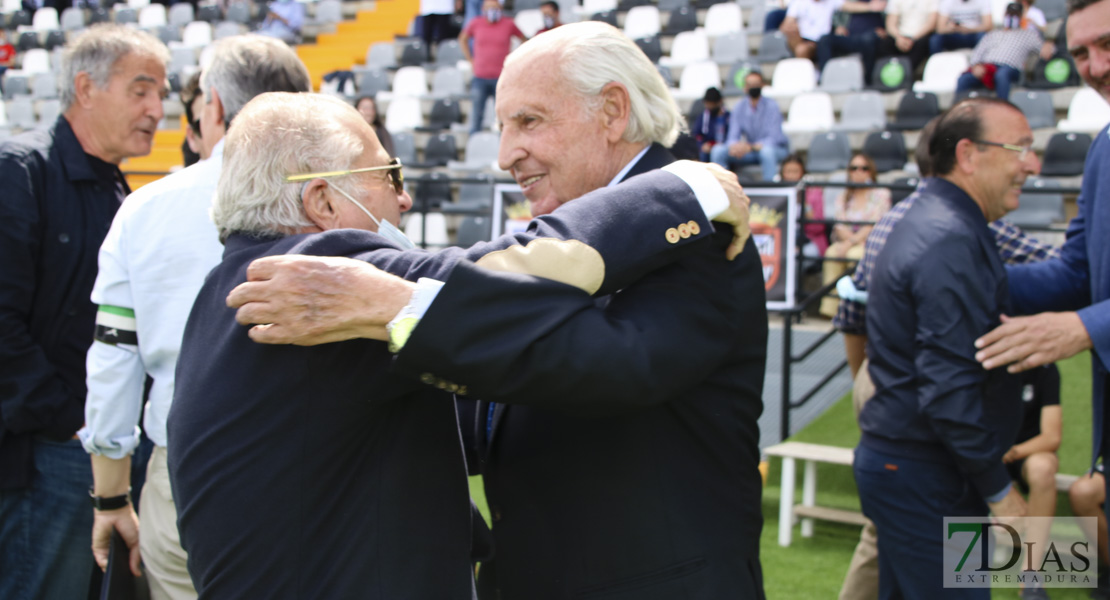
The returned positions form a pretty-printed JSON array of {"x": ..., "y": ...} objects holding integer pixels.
[{"x": 1030, "y": 551}]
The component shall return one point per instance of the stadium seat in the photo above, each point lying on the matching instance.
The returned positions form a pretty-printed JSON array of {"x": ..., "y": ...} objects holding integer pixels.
[
  {"x": 473, "y": 196},
  {"x": 167, "y": 34},
  {"x": 413, "y": 53},
  {"x": 381, "y": 55},
  {"x": 682, "y": 19},
  {"x": 862, "y": 111},
  {"x": 209, "y": 13},
  {"x": 792, "y": 76},
  {"x": 696, "y": 78},
  {"x": 10, "y": 6},
  {"x": 627, "y": 5},
  {"x": 448, "y": 82},
  {"x": 915, "y": 109},
  {"x": 448, "y": 53},
  {"x": 734, "y": 83},
  {"x": 592, "y": 7},
  {"x": 1087, "y": 112},
  {"x": 44, "y": 86},
  {"x": 481, "y": 152},
  {"x": 99, "y": 15},
  {"x": 3, "y": 116},
  {"x": 722, "y": 18},
  {"x": 45, "y": 19},
  {"x": 1053, "y": 9},
  {"x": 892, "y": 73},
  {"x": 48, "y": 111},
  {"x": 404, "y": 146},
  {"x": 180, "y": 14},
  {"x": 651, "y": 47},
  {"x": 432, "y": 191},
  {"x": 445, "y": 113},
  {"x": 941, "y": 72},
  {"x": 730, "y": 47},
  {"x": 433, "y": 234},
  {"x": 897, "y": 195},
  {"x": 126, "y": 15},
  {"x": 19, "y": 18},
  {"x": 137, "y": 4},
  {"x": 606, "y": 16},
  {"x": 403, "y": 114},
  {"x": 226, "y": 29},
  {"x": 665, "y": 73},
  {"x": 473, "y": 229},
  {"x": 672, "y": 5},
  {"x": 72, "y": 19},
  {"x": 1036, "y": 106},
  {"x": 55, "y": 39},
  {"x": 529, "y": 22},
  {"x": 197, "y": 34},
  {"x": 688, "y": 47},
  {"x": 329, "y": 11},
  {"x": 828, "y": 152},
  {"x": 441, "y": 149},
  {"x": 28, "y": 40},
  {"x": 36, "y": 60},
  {"x": 842, "y": 74},
  {"x": 642, "y": 21},
  {"x": 372, "y": 81},
  {"x": 1065, "y": 154},
  {"x": 409, "y": 81},
  {"x": 811, "y": 112},
  {"x": 1039, "y": 209},
  {"x": 238, "y": 12},
  {"x": 757, "y": 15},
  {"x": 152, "y": 15},
  {"x": 1054, "y": 73},
  {"x": 16, "y": 84},
  {"x": 21, "y": 112},
  {"x": 773, "y": 48},
  {"x": 182, "y": 58},
  {"x": 887, "y": 149}
]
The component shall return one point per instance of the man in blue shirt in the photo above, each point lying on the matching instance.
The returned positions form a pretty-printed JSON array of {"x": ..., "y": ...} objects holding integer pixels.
[
  {"x": 937, "y": 427},
  {"x": 754, "y": 133}
]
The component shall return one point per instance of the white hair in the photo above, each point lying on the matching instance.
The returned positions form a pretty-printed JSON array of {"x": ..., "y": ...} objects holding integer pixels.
[
  {"x": 97, "y": 50},
  {"x": 275, "y": 135},
  {"x": 591, "y": 55},
  {"x": 244, "y": 66}
]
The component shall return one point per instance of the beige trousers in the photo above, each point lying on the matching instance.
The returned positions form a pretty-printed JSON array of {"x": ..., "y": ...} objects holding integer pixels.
[{"x": 163, "y": 558}]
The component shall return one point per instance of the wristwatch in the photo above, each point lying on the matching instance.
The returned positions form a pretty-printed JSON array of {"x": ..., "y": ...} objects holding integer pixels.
[{"x": 109, "y": 503}]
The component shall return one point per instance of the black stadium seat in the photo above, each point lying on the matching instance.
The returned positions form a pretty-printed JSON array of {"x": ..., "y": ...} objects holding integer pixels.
[
  {"x": 915, "y": 110},
  {"x": 887, "y": 149},
  {"x": 1065, "y": 154}
]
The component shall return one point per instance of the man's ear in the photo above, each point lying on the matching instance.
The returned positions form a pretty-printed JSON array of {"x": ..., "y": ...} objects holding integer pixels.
[
  {"x": 965, "y": 155},
  {"x": 318, "y": 206},
  {"x": 616, "y": 107},
  {"x": 83, "y": 87},
  {"x": 218, "y": 106}
]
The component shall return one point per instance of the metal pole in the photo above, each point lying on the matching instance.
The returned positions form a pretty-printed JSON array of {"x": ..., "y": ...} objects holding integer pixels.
[{"x": 787, "y": 365}]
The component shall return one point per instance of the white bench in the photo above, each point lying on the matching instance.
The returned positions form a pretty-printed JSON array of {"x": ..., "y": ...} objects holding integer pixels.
[{"x": 808, "y": 510}]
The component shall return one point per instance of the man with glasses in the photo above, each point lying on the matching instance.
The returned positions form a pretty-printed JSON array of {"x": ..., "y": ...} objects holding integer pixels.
[
  {"x": 158, "y": 251},
  {"x": 937, "y": 427}
]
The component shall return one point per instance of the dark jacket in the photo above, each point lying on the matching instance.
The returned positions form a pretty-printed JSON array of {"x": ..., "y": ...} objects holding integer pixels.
[
  {"x": 56, "y": 205},
  {"x": 939, "y": 284},
  {"x": 626, "y": 464}
]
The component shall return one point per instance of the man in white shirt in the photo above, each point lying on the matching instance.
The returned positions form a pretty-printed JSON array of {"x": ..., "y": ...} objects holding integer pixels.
[
  {"x": 806, "y": 21},
  {"x": 960, "y": 24},
  {"x": 160, "y": 248},
  {"x": 909, "y": 23}
]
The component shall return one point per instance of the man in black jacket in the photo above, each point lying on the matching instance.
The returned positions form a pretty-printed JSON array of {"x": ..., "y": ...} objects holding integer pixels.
[
  {"x": 938, "y": 425},
  {"x": 61, "y": 188}
]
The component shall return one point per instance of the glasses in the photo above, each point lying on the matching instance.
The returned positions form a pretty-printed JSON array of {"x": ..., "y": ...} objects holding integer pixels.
[
  {"x": 859, "y": 168},
  {"x": 394, "y": 167},
  {"x": 1022, "y": 151}
]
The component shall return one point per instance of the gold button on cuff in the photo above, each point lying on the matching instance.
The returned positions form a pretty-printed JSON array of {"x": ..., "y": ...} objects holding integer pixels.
[
  {"x": 694, "y": 227},
  {"x": 684, "y": 230},
  {"x": 427, "y": 378},
  {"x": 672, "y": 235}
]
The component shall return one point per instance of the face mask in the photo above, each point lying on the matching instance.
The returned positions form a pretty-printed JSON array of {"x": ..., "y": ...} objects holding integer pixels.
[
  {"x": 493, "y": 16},
  {"x": 549, "y": 22},
  {"x": 385, "y": 228},
  {"x": 1012, "y": 22},
  {"x": 755, "y": 92}
]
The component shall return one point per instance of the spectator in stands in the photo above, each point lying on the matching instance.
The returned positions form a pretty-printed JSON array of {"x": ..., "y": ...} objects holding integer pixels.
[
  {"x": 284, "y": 20},
  {"x": 775, "y": 16},
  {"x": 1087, "y": 496},
  {"x": 493, "y": 37},
  {"x": 1033, "y": 17},
  {"x": 192, "y": 102},
  {"x": 960, "y": 24},
  {"x": 909, "y": 25},
  {"x": 806, "y": 21},
  {"x": 853, "y": 204},
  {"x": 62, "y": 186},
  {"x": 711, "y": 127},
  {"x": 1014, "y": 247},
  {"x": 156, "y": 255},
  {"x": 999, "y": 58},
  {"x": 866, "y": 26},
  {"x": 435, "y": 16},
  {"x": 754, "y": 132},
  {"x": 816, "y": 239},
  {"x": 7, "y": 53},
  {"x": 368, "y": 108},
  {"x": 928, "y": 449},
  {"x": 550, "y": 10}
]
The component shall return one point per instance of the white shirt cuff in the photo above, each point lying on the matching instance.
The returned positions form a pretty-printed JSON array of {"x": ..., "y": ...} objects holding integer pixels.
[
  {"x": 422, "y": 297},
  {"x": 711, "y": 196}
]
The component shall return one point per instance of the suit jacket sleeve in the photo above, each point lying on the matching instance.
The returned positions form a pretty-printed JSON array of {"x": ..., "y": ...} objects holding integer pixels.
[
  {"x": 1065, "y": 283},
  {"x": 514, "y": 338},
  {"x": 620, "y": 234}
]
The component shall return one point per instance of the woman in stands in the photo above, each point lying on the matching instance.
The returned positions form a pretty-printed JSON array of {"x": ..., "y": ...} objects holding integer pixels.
[
  {"x": 366, "y": 107},
  {"x": 853, "y": 205}
]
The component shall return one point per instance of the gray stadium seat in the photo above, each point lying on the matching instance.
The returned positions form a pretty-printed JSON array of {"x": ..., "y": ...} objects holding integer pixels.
[
  {"x": 731, "y": 47},
  {"x": 1065, "y": 154},
  {"x": 842, "y": 74},
  {"x": 1037, "y": 209},
  {"x": 773, "y": 47},
  {"x": 1037, "y": 107},
  {"x": 828, "y": 152},
  {"x": 863, "y": 111},
  {"x": 887, "y": 149}
]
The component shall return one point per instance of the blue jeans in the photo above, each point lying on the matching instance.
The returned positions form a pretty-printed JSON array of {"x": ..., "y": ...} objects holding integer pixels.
[
  {"x": 773, "y": 20},
  {"x": 768, "y": 158},
  {"x": 908, "y": 500},
  {"x": 1004, "y": 78},
  {"x": 45, "y": 529},
  {"x": 940, "y": 42},
  {"x": 480, "y": 90},
  {"x": 865, "y": 44}
]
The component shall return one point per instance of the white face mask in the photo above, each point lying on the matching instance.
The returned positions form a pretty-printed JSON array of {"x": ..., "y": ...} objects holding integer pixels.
[{"x": 385, "y": 228}]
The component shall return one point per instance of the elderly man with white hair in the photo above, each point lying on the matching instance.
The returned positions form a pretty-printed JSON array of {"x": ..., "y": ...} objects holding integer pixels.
[
  {"x": 61, "y": 187},
  {"x": 156, "y": 255},
  {"x": 620, "y": 452},
  {"x": 319, "y": 472}
]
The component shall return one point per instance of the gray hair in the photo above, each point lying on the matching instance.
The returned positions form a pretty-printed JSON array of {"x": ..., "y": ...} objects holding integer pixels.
[
  {"x": 280, "y": 134},
  {"x": 591, "y": 55},
  {"x": 97, "y": 50},
  {"x": 244, "y": 66}
]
